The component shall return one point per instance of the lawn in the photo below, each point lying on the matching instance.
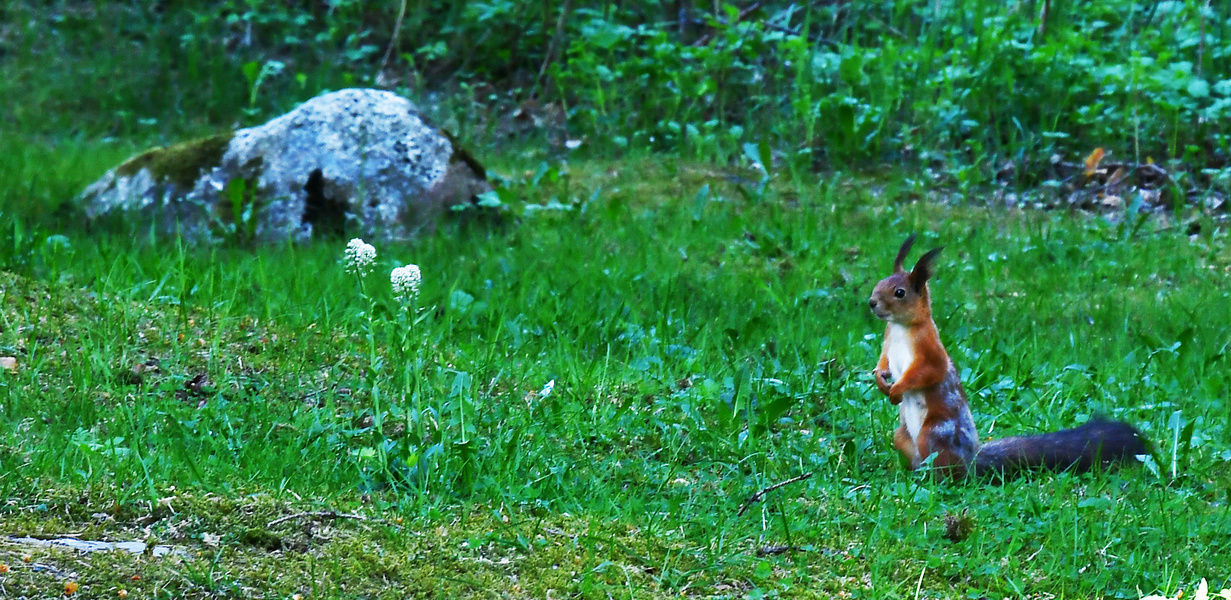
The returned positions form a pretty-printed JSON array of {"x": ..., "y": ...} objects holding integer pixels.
[
  {"x": 703, "y": 345},
  {"x": 652, "y": 376}
]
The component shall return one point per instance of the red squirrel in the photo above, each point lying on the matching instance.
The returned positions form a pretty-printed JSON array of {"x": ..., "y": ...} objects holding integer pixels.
[{"x": 919, "y": 378}]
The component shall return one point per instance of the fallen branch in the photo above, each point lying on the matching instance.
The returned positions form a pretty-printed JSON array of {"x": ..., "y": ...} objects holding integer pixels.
[
  {"x": 753, "y": 499},
  {"x": 325, "y": 514},
  {"x": 775, "y": 550}
]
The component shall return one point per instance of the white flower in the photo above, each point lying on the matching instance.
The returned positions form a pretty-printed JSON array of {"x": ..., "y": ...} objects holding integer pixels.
[
  {"x": 406, "y": 282},
  {"x": 360, "y": 256},
  {"x": 551, "y": 385}
]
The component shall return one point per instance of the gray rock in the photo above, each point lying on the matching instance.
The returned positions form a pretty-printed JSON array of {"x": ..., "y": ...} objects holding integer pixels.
[{"x": 356, "y": 158}]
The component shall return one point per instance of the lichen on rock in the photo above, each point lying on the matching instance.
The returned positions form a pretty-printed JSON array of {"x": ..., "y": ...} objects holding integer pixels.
[
  {"x": 182, "y": 163},
  {"x": 359, "y": 160}
]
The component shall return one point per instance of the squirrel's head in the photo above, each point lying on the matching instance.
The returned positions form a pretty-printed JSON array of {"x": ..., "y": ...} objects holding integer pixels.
[{"x": 903, "y": 297}]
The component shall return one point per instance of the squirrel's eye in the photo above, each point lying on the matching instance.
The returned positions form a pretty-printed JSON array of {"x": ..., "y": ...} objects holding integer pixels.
[{"x": 899, "y": 293}]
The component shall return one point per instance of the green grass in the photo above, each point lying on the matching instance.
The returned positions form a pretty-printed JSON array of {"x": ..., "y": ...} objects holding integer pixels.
[{"x": 701, "y": 350}]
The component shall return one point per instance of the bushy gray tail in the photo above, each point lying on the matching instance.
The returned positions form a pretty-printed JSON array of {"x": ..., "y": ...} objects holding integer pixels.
[{"x": 1078, "y": 449}]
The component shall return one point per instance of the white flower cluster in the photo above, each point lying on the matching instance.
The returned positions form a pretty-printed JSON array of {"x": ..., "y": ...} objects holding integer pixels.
[
  {"x": 360, "y": 259},
  {"x": 360, "y": 256},
  {"x": 406, "y": 282}
]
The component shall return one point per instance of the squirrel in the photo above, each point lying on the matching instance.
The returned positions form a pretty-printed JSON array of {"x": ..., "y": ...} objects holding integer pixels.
[{"x": 918, "y": 376}]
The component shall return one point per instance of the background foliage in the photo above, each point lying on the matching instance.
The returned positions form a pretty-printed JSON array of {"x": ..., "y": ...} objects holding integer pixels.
[{"x": 945, "y": 83}]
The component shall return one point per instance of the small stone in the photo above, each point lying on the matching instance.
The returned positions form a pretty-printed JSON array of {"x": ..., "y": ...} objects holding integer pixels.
[{"x": 1111, "y": 201}]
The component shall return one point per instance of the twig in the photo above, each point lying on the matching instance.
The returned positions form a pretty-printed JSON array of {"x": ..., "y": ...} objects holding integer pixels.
[
  {"x": 890, "y": 28},
  {"x": 1144, "y": 168},
  {"x": 685, "y": 7},
  {"x": 1036, "y": 553},
  {"x": 812, "y": 38},
  {"x": 553, "y": 46},
  {"x": 40, "y": 567},
  {"x": 705, "y": 39},
  {"x": 761, "y": 494},
  {"x": 397, "y": 29},
  {"x": 325, "y": 514},
  {"x": 554, "y": 531},
  {"x": 775, "y": 550},
  {"x": 1201, "y": 38},
  {"x": 743, "y": 14},
  {"x": 1043, "y": 19}
]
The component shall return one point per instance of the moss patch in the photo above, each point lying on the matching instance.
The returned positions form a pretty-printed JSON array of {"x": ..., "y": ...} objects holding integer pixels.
[
  {"x": 181, "y": 164},
  {"x": 228, "y": 548}
]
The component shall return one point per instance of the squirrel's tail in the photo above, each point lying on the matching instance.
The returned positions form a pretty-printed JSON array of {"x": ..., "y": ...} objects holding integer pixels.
[{"x": 1079, "y": 449}]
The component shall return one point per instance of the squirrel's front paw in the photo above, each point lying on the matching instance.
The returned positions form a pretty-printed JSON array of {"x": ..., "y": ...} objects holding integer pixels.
[{"x": 882, "y": 381}]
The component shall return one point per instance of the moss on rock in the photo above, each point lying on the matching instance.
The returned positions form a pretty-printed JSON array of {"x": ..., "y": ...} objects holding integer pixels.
[{"x": 180, "y": 164}]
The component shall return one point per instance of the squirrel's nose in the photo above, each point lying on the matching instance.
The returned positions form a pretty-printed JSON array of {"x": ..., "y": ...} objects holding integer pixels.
[{"x": 872, "y": 302}]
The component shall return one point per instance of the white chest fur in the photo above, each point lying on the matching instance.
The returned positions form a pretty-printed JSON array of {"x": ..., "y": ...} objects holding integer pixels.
[
  {"x": 899, "y": 349},
  {"x": 901, "y": 352}
]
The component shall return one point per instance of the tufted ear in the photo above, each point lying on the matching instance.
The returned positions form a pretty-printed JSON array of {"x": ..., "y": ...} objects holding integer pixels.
[
  {"x": 923, "y": 269},
  {"x": 901, "y": 259}
]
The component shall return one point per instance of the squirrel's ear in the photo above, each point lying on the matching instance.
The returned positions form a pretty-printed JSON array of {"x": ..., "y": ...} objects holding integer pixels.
[
  {"x": 923, "y": 269},
  {"x": 901, "y": 259}
]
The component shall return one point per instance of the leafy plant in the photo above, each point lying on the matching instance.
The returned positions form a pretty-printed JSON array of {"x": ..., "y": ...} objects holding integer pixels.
[{"x": 238, "y": 217}]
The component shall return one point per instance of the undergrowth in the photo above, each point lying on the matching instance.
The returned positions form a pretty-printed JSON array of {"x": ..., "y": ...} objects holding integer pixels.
[{"x": 978, "y": 92}]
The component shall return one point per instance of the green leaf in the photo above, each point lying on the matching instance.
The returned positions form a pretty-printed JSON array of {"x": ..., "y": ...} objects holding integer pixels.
[
  {"x": 460, "y": 301},
  {"x": 753, "y": 152},
  {"x": 461, "y": 384},
  {"x": 698, "y": 204},
  {"x": 251, "y": 70},
  {"x": 1186, "y": 439},
  {"x": 767, "y": 158},
  {"x": 777, "y": 407},
  {"x": 1199, "y": 88},
  {"x": 738, "y": 389},
  {"x": 490, "y": 199},
  {"x": 1188, "y": 343},
  {"x": 1097, "y": 502},
  {"x": 851, "y": 69}
]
